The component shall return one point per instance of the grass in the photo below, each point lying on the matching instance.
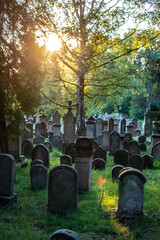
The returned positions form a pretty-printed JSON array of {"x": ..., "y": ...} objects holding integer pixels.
[{"x": 28, "y": 219}]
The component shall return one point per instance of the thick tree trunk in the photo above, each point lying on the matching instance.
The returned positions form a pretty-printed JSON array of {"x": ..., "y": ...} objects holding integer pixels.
[
  {"x": 1, "y": 17},
  {"x": 80, "y": 106},
  {"x": 3, "y": 131}
]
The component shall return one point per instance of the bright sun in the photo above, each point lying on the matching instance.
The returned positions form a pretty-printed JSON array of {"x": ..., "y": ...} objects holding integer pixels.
[{"x": 53, "y": 43}]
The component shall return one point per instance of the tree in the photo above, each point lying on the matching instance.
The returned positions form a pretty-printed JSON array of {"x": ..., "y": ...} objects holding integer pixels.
[
  {"x": 19, "y": 66},
  {"x": 94, "y": 26}
]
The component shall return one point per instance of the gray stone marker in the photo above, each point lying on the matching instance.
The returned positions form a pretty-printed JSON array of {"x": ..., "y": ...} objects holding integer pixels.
[
  {"x": 105, "y": 139},
  {"x": 83, "y": 163},
  {"x": 40, "y": 129},
  {"x": 133, "y": 147},
  {"x": 137, "y": 132},
  {"x": 121, "y": 141},
  {"x": 70, "y": 149},
  {"x": 62, "y": 189},
  {"x": 136, "y": 161},
  {"x": 155, "y": 138},
  {"x": 64, "y": 234},
  {"x": 123, "y": 126},
  {"x": 99, "y": 140},
  {"x": 57, "y": 129},
  {"x": 38, "y": 176},
  {"x": 36, "y": 161},
  {"x": 134, "y": 121},
  {"x": 131, "y": 193},
  {"x": 29, "y": 125},
  {"x": 43, "y": 119},
  {"x": 41, "y": 152},
  {"x": 111, "y": 125},
  {"x": 50, "y": 136},
  {"x": 14, "y": 142},
  {"x": 25, "y": 134},
  {"x": 7, "y": 178},
  {"x": 98, "y": 163},
  {"x": 39, "y": 139},
  {"x": 156, "y": 151},
  {"x": 56, "y": 117},
  {"x": 116, "y": 170},
  {"x": 56, "y": 140},
  {"x": 130, "y": 128},
  {"x": 127, "y": 139},
  {"x": 121, "y": 157},
  {"x": 48, "y": 145},
  {"x": 66, "y": 159},
  {"x": 90, "y": 127},
  {"x": 114, "y": 142},
  {"x": 147, "y": 161},
  {"x": 141, "y": 139},
  {"x": 99, "y": 126},
  {"x": 50, "y": 125},
  {"x": 27, "y": 147},
  {"x": 143, "y": 147},
  {"x": 100, "y": 153}
]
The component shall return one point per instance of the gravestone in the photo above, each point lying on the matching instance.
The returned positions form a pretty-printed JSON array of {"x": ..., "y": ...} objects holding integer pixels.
[
  {"x": 105, "y": 126},
  {"x": 90, "y": 127},
  {"x": 83, "y": 163},
  {"x": 143, "y": 147},
  {"x": 41, "y": 152},
  {"x": 56, "y": 140},
  {"x": 36, "y": 161},
  {"x": 121, "y": 141},
  {"x": 43, "y": 118},
  {"x": 95, "y": 145},
  {"x": 56, "y": 129},
  {"x": 139, "y": 125},
  {"x": 137, "y": 132},
  {"x": 38, "y": 176},
  {"x": 116, "y": 170},
  {"x": 100, "y": 153},
  {"x": 69, "y": 125},
  {"x": 134, "y": 121},
  {"x": 155, "y": 138},
  {"x": 114, "y": 142},
  {"x": 147, "y": 161},
  {"x": 50, "y": 125},
  {"x": 14, "y": 142},
  {"x": 123, "y": 126},
  {"x": 156, "y": 151},
  {"x": 98, "y": 163},
  {"x": 116, "y": 125},
  {"x": 121, "y": 157},
  {"x": 70, "y": 149},
  {"x": 99, "y": 140},
  {"x": 29, "y": 125},
  {"x": 133, "y": 147},
  {"x": 64, "y": 234},
  {"x": 48, "y": 145},
  {"x": 111, "y": 125},
  {"x": 131, "y": 193},
  {"x": 136, "y": 161},
  {"x": 39, "y": 139},
  {"x": 7, "y": 178},
  {"x": 40, "y": 129},
  {"x": 66, "y": 159},
  {"x": 141, "y": 139},
  {"x": 62, "y": 189},
  {"x": 25, "y": 134},
  {"x": 99, "y": 126},
  {"x": 130, "y": 128},
  {"x": 56, "y": 117},
  {"x": 127, "y": 139},
  {"x": 27, "y": 147},
  {"x": 50, "y": 136},
  {"x": 105, "y": 139}
]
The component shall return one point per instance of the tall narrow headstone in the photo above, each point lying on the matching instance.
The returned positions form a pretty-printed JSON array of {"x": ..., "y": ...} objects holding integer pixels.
[
  {"x": 123, "y": 126},
  {"x": 90, "y": 127},
  {"x": 56, "y": 117},
  {"x": 99, "y": 126},
  {"x": 114, "y": 142},
  {"x": 111, "y": 125},
  {"x": 38, "y": 176}
]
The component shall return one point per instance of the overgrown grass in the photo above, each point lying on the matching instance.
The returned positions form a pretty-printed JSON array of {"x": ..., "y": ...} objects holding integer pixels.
[{"x": 28, "y": 219}]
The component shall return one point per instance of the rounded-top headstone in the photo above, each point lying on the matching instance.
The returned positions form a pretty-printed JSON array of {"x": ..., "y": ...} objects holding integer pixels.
[
  {"x": 121, "y": 157},
  {"x": 116, "y": 171},
  {"x": 64, "y": 234},
  {"x": 66, "y": 159},
  {"x": 98, "y": 163},
  {"x": 36, "y": 161}
]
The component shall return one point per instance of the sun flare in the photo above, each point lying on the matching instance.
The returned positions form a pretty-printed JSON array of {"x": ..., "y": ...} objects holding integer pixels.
[{"x": 53, "y": 43}]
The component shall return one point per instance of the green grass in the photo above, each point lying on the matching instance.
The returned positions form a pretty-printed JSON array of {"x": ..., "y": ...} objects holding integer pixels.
[{"x": 28, "y": 219}]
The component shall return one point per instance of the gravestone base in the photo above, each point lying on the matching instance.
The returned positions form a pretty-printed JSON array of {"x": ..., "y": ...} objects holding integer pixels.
[
  {"x": 8, "y": 201},
  {"x": 125, "y": 213}
]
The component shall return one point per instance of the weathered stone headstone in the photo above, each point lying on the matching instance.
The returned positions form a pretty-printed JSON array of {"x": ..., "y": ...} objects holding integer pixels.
[
  {"x": 90, "y": 127},
  {"x": 64, "y": 234},
  {"x": 111, "y": 125},
  {"x": 56, "y": 129},
  {"x": 133, "y": 147},
  {"x": 156, "y": 151},
  {"x": 62, "y": 189},
  {"x": 105, "y": 140},
  {"x": 41, "y": 152},
  {"x": 43, "y": 118},
  {"x": 116, "y": 170},
  {"x": 14, "y": 142},
  {"x": 141, "y": 139},
  {"x": 131, "y": 193},
  {"x": 147, "y": 161},
  {"x": 114, "y": 142},
  {"x": 66, "y": 159},
  {"x": 36, "y": 161},
  {"x": 130, "y": 128},
  {"x": 56, "y": 140},
  {"x": 38, "y": 176},
  {"x": 27, "y": 147},
  {"x": 134, "y": 121},
  {"x": 40, "y": 129},
  {"x": 25, "y": 134},
  {"x": 136, "y": 161},
  {"x": 105, "y": 126},
  {"x": 7, "y": 178},
  {"x": 127, "y": 139},
  {"x": 98, "y": 163},
  {"x": 121, "y": 157},
  {"x": 143, "y": 147},
  {"x": 99, "y": 126},
  {"x": 155, "y": 138},
  {"x": 139, "y": 125},
  {"x": 83, "y": 163},
  {"x": 70, "y": 150},
  {"x": 116, "y": 125},
  {"x": 56, "y": 117},
  {"x": 29, "y": 125},
  {"x": 123, "y": 126},
  {"x": 99, "y": 140},
  {"x": 50, "y": 136},
  {"x": 39, "y": 139},
  {"x": 100, "y": 153},
  {"x": 50, "y": 125},
  {"x": 48, "y": 145},
  {"x": 137, "y": 132},
  {"x": 121, "y": 141}
]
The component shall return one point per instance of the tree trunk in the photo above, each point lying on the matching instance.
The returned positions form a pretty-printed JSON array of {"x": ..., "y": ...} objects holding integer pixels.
[
  {"x": 1, "y": 17},
  {"x": 80, "y": 106},
  {"x": 3, "y": 131}
]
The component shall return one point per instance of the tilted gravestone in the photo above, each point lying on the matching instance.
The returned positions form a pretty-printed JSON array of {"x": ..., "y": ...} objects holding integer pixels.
[
  {"x": 98, "y": 163},
  {"x": 147, "y": 161},
  {"x": 66, "y": 159},
  {"x": 116, "y": 170},
  {"x": 136, "y": 161},
  {"x": 131, "y": 193},
  {"x": 62, "y": 189},
  {"x": 121, "y": 157},
  {"x": 38, "y": 176},
  {"x": 114, "y": 142},
  {"x": 48, "y": 145},
  {"x": 156, "y": 151},
  {"x": 41, "y": 152},
  {"x": 133, "y": 147},
  {"x": 27, "y": 147},
  {"x": 100, "y": 153},
  {"x": 64, "y": 234},
  {"x": 7, "y": 178},
  {"x": 36, "y": 161},
  {"x": 83, "y": 163}
]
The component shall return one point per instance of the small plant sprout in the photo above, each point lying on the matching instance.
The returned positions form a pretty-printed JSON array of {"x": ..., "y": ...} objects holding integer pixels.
[{"x": 101, "y": 181}]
